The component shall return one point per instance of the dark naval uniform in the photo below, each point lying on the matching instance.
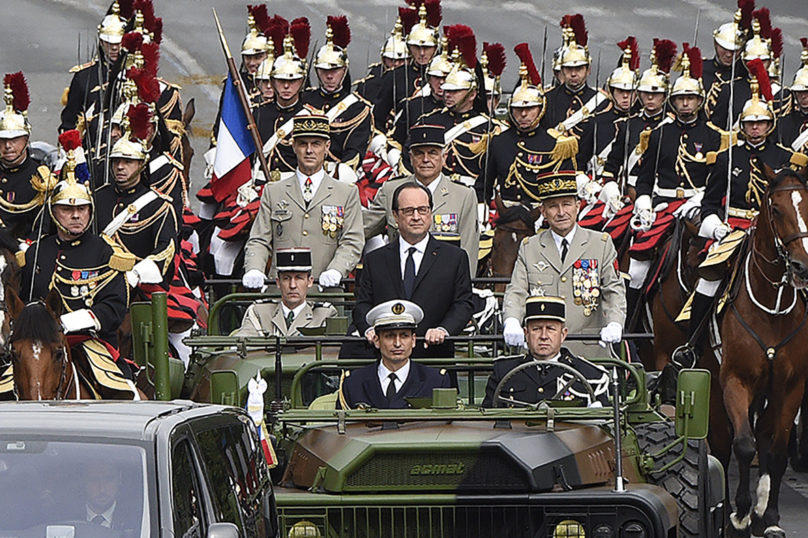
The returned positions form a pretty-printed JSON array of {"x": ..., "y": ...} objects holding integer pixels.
[
  {"x": 368, "y": 87},
  {"x": 743, "y": 92},
  {"x": 677, "y": 159},
  {"x": 638, "y": 127},
  {"x": 350, "y": 130},
  {"x": 363, "y": 387},
  {"x": 396, "y": 85},
  {"x": 22, "y": 194},
  {"x": 270, "y": 118},
  {"x": 150, "y": 232},
  {"x": 790, "y": 127},
  {"x": 517, "y": 160},
  {"x": 84, "y": 96},
  {"x": 535, "y": 384},
  {"x": 86, "y": 273},
  {"x": 561, "y": 103}
]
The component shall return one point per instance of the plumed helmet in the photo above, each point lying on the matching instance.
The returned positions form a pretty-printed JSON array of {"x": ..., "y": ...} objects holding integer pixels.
[
  {"x": 655, "y": 78},
  {"x": 691, "y": 65},
  {"x": 575, "y": 52},
  {"x": 255, "y": 42},
  {"x": 14, "y": 119},
  {"x": 626, "y": 75},
  {"x": 334, "y": 54},
  {"x": 113, "y": 26},
  {"x": 395, "y": 47},
  {"x": 292, "y": 65},
  {"x": 425, "y": 33}
]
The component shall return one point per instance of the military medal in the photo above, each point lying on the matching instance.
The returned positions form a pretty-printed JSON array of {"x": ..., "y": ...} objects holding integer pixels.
[
  {"x": 74, "y": 291},
  {"x": 279, "y": 229}
]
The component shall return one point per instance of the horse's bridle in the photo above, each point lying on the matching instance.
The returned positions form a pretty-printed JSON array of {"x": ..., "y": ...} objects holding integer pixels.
[{"x": 780, "y": 244}]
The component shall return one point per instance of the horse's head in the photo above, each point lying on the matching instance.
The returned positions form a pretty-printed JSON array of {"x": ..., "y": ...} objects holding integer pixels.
[
  {"x": 513, "y": 225},
  {"x": 38, "y": 347},
  {"x": 785, "y": 210}
]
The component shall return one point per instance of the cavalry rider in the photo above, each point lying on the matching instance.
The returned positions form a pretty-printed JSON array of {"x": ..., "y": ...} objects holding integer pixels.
[
  {"x": 545, "y": 331},
  {"x": 652, "y": 90},
  {"x": 573, "y": 101},
  {"x": 567, "y": 261},
  {"x": 728, "y": 40},
  {"x": 793, "y": 128},
  {"x": 720, "y": 218},
  {"x": 86, "y": 271},
  {"x": 349, "y": 114},
  {"x": 402, "y": 82},
  {"x": 454, "y": 204},
  {"x": 394, "y": 53},
  {"x": 25, "y": 184},
  {"x": 674, "y": 169},
  {"x": 310, "y": 209},
  {"x": 519, "y": 157}
]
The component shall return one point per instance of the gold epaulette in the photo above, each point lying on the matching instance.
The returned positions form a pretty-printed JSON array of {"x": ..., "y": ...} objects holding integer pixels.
[
  {"x": 799, "y": 159},
  {"x": 566, "y": 147},
  {"x": 711, "y": 157},
  {"x": 479, "y": 147},
  {"x": 122, "y": 261},
  {"x": 77, "y": 68},
  {"x": 642, "y": 145},
  {"x": 20, "y": 255},
  {"x": 65, "y": 96}
]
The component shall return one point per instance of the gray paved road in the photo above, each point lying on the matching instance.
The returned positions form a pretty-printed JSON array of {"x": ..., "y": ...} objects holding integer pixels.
[{"x": 44, "y": 38}]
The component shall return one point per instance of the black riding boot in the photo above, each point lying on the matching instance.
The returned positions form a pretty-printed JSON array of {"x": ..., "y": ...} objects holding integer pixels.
[
  {"x": 633, "y": 296},
  {"x": 687, "y": 355}
]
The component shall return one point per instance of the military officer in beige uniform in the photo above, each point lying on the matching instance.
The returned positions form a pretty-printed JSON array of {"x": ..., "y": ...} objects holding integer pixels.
[
  {"x": 287, "y": 316},
  {"x": 571, "y": 262},
  {"x": 310, "y": 209},
  {"x": 455, "y": 204}
]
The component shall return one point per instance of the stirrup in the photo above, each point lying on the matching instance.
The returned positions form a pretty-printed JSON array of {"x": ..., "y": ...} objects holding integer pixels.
[{"x": 684, "y": 356}]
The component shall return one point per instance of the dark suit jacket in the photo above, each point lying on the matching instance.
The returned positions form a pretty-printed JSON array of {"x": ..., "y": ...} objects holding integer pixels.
[
  {"x": 442, "y": 289},
  {"x": 532, "y": 385},
  {"x": 363, "y": 386}
]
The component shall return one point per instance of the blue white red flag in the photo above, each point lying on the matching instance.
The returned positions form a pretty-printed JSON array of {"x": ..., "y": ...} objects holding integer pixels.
[{"x": 234, "y": 146}]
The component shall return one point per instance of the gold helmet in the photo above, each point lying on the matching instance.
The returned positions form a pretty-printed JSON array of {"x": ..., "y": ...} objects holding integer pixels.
[
  {"x": 691, "y": 65},
  {"x": 113, "y": 26},
  {"x": 493, "y": 62},
  {"x": 759, "y": 46},
  {"x": 255, "y": 42},
  {"x": 425, "y": 33},
  {"x": 529, "y": 92},
  {"x": 334, "y": 54},
  {"x": 71, "y": 190},
  {"x": 776, "y": 42},
  {"x": 625, "y": 76},
  {"x": 441, "y": 64},
  {"x": 575, "y": 53},
  {"x": 395, "y": 48},
  {"x": 138, "y": 131},
  {"x": 292, "y": 65},
  {"x": 655, "y": 78},
  {"x": 14, "y": 119},
  {"x": 464, "y": 59},
  {"x": 759, "y": 106},
  {"x": 732, "y": 35},
  {"x": 800, "y": 83},
  {"x": 264, "y": 69}
]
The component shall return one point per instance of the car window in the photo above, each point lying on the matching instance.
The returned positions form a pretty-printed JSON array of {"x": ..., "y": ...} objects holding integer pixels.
[
  {"x": 238, "y": 477},
  {"x": 188, "y": 516}
]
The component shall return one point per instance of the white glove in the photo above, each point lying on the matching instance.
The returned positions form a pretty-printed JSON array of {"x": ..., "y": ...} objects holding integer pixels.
[
  {"x": 79, "y": 320},
  {"x": 642, "y": 203},
  {"x": 611, "y": 334},
  {"x": 610, "y": 195},
  {"x": 253, "y": 279},
  {"x": 589, "y": 191},
  {"x": 133, "y": 279},
  {"x": 713, "y": 227},
  {"x": 378, "y": 146},
  {"x": 513, "y": 333},
  {"x": 393, "y": 158},
  {"x": 147, "y": 272},
  {"x": 330, "y": 278}
]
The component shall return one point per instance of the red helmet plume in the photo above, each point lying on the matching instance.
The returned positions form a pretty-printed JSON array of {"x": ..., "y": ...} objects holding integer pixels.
[
  {"x": 634, "y": 59},
  {"x": 763, "y": 16},
  {"x": 132, "y": 41},
  {"x": 409, "y": 18},
  {"x": 151, "y": 57},
  {"x": 140, "y": 121},
  {"x": 260, "y": 15},
  {"x": 758, "y": 70},
  {"x": 696, "y": 61},
  {"x": 70, "y": 140},
  {"x": 301, "y": 33},
  {"x": 434, "y": 13},
  {"x": 341, "y": 30},
  {"x": 19, "y": 87},
  {"x": 496, "y": 58},
  {"x": 777, "y": 42},
  {"x": 277, "y": 29},
  {"x": 462, "y": 37},
  {"x": 665, "y": 53},
  {"x": 522, "y": 50},
  {"x": 126, "y": 8},
  {"x": 746, "y": 7},
  {"x": 579, "y": 28}
]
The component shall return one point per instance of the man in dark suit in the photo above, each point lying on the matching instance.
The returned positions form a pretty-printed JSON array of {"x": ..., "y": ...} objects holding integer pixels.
[
  {"x": 417, "y": 267},
  {"x": 103, "y": 482},
  {"x": 386, "y": 383},
  {"x": 545, "y": 331}
]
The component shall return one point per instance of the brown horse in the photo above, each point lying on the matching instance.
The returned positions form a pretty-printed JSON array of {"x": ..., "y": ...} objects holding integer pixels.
[
  {"x": 514, "y": 224},
  {"x": 764, "y": 369}
]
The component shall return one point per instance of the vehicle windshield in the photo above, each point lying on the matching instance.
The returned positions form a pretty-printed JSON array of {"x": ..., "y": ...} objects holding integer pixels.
[{"x": 52, "y": 489}]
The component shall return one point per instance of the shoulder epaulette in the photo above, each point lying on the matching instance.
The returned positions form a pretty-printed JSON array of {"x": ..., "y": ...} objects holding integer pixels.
[
  {"x": 566, "y": 147},
  {"x": 799, "y": 159},
  {"x": 169, "y": 84},
  {"x": 20, "y": 255},
  {"x": 604, "y": 237},
  {"x": 363, "y": 100},
  {"x": 122, "y": 261},
  {"x": 77, "y": 68}
]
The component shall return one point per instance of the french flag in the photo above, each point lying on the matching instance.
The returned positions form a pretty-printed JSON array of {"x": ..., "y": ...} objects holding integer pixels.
[{"x": 231, "y": 168}]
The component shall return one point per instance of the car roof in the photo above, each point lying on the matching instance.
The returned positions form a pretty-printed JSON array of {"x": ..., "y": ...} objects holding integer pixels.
[{"x": 110, "y": 419}]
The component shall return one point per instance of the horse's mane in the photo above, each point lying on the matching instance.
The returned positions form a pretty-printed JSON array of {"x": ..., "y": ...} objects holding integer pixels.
[
  {"x": 36, "y": 323},
  {"x": 782, "y": 175},
  {"x": 517, "y": 212}
]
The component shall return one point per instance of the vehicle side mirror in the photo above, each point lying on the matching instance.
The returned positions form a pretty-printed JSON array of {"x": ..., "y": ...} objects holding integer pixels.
[
  {"x": 223, "y": 530},
  {"x": 693, "y": 403}
]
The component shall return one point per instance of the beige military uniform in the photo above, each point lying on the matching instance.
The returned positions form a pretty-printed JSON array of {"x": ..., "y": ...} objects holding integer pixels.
[
  {"x": 331, "y": 225},
  {"x": 588, "y": 279},
  {"x": 455, "y": 211},
  {"x": 267, "y": 319}
]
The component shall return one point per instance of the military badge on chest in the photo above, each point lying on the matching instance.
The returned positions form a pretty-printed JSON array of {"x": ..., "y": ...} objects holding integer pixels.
[
  {"x": 333, "y": 219},
  {"x": 586, "y": 285},
  {"x": 84, "y": 282},
  {"x": 445, "y": 223}
]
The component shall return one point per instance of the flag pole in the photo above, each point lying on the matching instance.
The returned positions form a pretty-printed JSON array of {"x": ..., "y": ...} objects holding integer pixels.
[{"x": 245, "y": 104}]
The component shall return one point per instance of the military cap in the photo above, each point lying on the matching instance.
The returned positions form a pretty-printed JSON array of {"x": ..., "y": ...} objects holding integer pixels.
[
  {"x": 395, "y": 314},
  {"x": 314, "y": 125},
  {"x": 293, "y": 259},
  {"x": 556, "y": 184},
  {"x": 427, "y": 135},
  {"x": 552, "y": 308}
]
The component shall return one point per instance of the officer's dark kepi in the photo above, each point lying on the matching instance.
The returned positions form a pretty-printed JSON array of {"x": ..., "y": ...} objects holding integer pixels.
[
  {"x": 552, "y": 308},
  {"x": 427, "y": 135},
  {"x": 293, "y": 259},
  {"x": 314, "y": 125},
  {"x": 561, "y": 183}
]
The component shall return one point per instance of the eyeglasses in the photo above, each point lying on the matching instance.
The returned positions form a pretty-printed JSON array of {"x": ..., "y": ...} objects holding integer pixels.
[{"x": 409, "y": 211}]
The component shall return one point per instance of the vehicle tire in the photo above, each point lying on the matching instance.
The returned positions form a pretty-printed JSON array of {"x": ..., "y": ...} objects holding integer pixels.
[{"x": 681, "y": 480}]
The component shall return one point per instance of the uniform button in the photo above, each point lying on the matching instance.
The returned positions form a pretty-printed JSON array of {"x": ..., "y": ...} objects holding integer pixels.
[
  {"x": 563, "y": 279},
  {"x": 61, "y": 257},
  {"x": 564, "y": 297},
  {"x": 5, "y": 180},
  {"x": 541, "y": 389},
  {"x": 519, "y": 154},
  {"x": 684, "y": 135},
  {"x": 306, "y": 216},
  {"x": 305, "y": 233}
]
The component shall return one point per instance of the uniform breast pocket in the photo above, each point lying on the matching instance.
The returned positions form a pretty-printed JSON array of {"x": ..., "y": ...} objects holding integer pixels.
[
  {"x": 518, "y": 391},
  {"x": 546, "y": 281},
  {"x": 280, "y": 224}
]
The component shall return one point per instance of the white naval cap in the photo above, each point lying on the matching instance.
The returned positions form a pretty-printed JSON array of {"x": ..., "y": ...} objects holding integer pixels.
[{"x": 395, "y": 314}]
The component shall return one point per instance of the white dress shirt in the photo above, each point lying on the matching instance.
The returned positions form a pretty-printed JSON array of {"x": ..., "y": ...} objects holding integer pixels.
[
  {"x": 417, "y": 256},
  {"x": 297, "y": 310},
  {"x": 433, "y": 187},
  {"x": 569, "y": 237},
  {"x": 401, "y": 376},
  {"x": 91, "y": 514},
  {"x": 316, "y": 179}
]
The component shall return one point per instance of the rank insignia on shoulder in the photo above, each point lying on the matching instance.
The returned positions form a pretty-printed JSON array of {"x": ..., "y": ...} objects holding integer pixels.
[
  {"x": 20, "y": 255},
  {"x": 604, "y": 237},
  {"x": 524, "y": 241}
]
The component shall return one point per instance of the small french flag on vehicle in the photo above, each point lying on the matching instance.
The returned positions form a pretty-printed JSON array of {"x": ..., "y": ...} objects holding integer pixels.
[{"x": 255, "y": 408}]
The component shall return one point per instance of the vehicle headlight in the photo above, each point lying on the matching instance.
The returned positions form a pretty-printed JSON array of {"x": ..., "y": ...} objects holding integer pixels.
[
  {"x": 569, "y": 528},
  {"x": 304, "y": 529},
  {"x": 634, "y": 530}
]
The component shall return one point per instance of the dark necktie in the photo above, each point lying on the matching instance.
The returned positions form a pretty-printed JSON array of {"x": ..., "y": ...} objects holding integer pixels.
[
  {"x": 391, "y": 387},
  {"x": 99, "y": 519},
  {"x": 290, "y": 318},
  {"x": 564, "y": 248},
  {"x": 409, "y": 273}
]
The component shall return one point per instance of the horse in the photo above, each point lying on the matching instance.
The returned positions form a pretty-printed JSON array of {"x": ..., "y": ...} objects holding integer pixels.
[
  {"x": 514, "y": 224},
  {"x": 763, "y": 372}
]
